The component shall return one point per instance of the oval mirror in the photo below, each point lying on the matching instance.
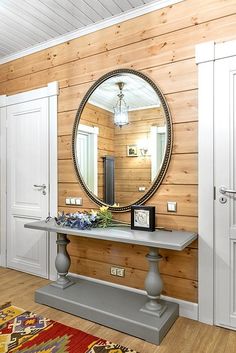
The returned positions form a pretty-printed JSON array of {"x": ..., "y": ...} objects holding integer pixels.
[{"x": 122, "y": 139}]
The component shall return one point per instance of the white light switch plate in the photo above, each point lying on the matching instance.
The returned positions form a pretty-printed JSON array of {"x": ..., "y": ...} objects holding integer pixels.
[
  {"x": 72, "y": 201},
  {"x": 171, "y": 206},
  {"x": 79, "y": 201}
]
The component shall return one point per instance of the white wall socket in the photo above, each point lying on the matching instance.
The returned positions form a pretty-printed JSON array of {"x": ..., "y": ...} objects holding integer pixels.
[
  {"x": 117, "y": 271},
  {"x": 120, "y": 272},
  {"x": 74, "y": 201},
  {"x": 113, "y": 271},
  {"x": 172, "y": 206}
]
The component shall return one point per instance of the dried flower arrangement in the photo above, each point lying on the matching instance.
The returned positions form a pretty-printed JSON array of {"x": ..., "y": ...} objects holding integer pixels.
[{"x": 87, "y": 220}]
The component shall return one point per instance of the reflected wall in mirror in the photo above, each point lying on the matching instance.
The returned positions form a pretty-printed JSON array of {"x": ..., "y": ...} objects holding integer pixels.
[{"x": 122, "y": 139}]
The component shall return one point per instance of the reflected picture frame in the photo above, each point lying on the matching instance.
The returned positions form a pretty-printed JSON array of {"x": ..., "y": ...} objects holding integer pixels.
[
  {"x": 132, "y": 151},
  {"x": 143, "y": 218}
]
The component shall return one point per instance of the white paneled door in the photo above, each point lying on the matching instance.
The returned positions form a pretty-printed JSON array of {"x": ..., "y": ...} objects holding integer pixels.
[
  {"x": 27, "y": 185},
  {"x": 225, "y": 200}
]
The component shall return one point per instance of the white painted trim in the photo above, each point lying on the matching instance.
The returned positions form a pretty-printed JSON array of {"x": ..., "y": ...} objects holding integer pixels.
[
  {"x": 225, "y": 49},
  {"x": 88, "y": 129},
  {"x": 51, "y": 92},
  {"x": 206, "y": 54},
  {"x": 211, "y": 51},
  {"x": 3, "y": 180},
  {"x": 92, "y": 134},
  {"x": 142, "y": 10},
  {"x": 186, "y": 309},
  {"x": 3, "y": 101},
  {"x": 102, "y": 106},
  {"x": 206, "y": 192},
  {"x": 51, "y": 89}
]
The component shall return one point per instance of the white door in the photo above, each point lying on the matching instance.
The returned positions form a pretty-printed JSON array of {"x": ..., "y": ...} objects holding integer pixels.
[
  {"x": 225, "y": 201},
  {"x": 27, "y": 185},
  {"x": 87, "y": 145}
]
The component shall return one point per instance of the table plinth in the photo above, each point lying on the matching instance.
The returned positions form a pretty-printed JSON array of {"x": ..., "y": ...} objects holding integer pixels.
[
  {"x": 110, "y": 306},
  {"x": 145, "y": 316}
]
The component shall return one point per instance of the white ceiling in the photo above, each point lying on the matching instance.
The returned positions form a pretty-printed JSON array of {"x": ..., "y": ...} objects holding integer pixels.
[
  {"x": 138, "y": 93},
  {"x": 27, "y": 24}
]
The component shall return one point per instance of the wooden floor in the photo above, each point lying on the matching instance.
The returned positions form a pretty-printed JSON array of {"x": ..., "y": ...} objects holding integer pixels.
[{"x": 186, "y": 336}]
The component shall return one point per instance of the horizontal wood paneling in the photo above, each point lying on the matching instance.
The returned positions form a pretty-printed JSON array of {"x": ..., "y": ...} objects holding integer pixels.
[
  {"x": 162, "y": 45},
  {"x": 185, "y": 138},
  {"x": 171, "y": 78},
  {"x": 175, "y": 263},
  {"x": 173, "y": 286},
  {"x": 182, "y": 170},
  {"x": 184, "y": 195},
  {"x": 184, "y": 141},
  {"x": 93, "y": 44}
]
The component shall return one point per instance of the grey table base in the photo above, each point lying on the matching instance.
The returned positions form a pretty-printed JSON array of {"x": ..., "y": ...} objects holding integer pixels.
[
  {"x": 110, "y": 306},
  {"x": 146, "y": 317}
]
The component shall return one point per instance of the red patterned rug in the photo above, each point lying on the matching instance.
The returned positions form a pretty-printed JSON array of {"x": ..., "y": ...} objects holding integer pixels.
[{"x": 26, "y": 332}]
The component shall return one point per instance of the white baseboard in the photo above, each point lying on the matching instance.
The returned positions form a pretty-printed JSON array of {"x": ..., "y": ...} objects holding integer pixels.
[{"x": 186, "y": 309}]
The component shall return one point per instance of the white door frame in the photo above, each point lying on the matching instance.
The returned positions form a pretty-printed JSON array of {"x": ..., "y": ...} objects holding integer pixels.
[
  {"x": 51, "y": 91},
  {"x": 93, "y": 144},
  {"x": 206, "y": 55}
]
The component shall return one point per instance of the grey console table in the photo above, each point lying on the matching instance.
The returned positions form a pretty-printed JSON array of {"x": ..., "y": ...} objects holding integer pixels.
[{"x": 147, "y": 317}]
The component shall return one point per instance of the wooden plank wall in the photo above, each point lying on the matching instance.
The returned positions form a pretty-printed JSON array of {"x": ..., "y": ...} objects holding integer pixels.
[
  {"x": 133, "y": 172},
  {"x": 160, "y": 44}
]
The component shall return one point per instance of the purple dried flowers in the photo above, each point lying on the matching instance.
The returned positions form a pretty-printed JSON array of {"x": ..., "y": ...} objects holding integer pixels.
[{"x": 86, "y": 220}]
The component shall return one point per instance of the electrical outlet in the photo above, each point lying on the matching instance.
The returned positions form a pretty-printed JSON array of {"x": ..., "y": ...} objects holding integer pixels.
[
  {"x": 113, "y": 271},
  {"x": 120, "y": 272},
  {"x": 171, "y": 206},
  {"x": 72, "y": 201},
  {"x": 117, "y": 271},
  {"x": 79, "y": 201},
  {"x": 67, "y": 201}
]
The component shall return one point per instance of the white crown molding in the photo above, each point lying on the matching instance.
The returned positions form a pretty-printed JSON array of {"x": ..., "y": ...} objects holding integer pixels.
[
  {"x": 204, "y": 52},
  {"x": 225, "y": 49},
  {"x": 52, "y": 89},
  {"x": 210, "y": 51},
  {"x": 156, "y": 5}
]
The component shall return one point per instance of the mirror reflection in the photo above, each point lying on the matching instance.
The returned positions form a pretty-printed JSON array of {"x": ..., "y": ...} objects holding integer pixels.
[{"x": 120, "y": 139}]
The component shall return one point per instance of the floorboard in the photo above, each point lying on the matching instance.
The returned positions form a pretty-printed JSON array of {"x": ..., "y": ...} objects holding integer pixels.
[{"x": 186, "y": 336}]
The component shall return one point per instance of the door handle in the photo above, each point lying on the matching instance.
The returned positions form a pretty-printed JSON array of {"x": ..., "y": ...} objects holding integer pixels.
[
  {"x": 223, "y": 190},
  {"x": 41, "y": 188}
]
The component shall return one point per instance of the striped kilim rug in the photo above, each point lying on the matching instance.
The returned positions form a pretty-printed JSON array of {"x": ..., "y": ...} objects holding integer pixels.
[{"x": 26, "y": 332}]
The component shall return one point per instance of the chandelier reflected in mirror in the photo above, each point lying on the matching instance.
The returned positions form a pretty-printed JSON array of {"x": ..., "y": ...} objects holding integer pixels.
[{"x": 121, "y": 109}]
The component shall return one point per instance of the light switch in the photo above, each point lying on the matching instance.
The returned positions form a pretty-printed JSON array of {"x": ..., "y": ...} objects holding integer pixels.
[
  {"x": 67, "y": 201},
  {"x": 171, "y": 206},
  {"x": 72, "y": 201},
  {"x": 79, "y": 201}
]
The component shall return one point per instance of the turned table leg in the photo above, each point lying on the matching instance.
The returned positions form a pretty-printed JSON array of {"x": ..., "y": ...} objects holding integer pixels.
[
  {"x": 154, "y": 285},
  {"x": 62, "y": 263}
]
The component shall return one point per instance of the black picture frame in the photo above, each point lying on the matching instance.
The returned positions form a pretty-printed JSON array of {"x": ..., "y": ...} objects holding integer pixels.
[{"x": 143, "y": 218}]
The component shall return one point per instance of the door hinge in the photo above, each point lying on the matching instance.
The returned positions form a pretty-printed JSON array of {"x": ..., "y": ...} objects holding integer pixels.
[{"x": 214, "y": 192}]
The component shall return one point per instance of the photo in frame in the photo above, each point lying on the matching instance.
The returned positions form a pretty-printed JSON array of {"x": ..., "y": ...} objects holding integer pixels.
[
  {"x": 143, "y": 218},
  {"x": 132, "y": 151}
]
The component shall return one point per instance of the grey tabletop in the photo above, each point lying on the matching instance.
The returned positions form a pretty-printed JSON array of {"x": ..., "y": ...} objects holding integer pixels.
[{"x": 174, "y": 240}]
